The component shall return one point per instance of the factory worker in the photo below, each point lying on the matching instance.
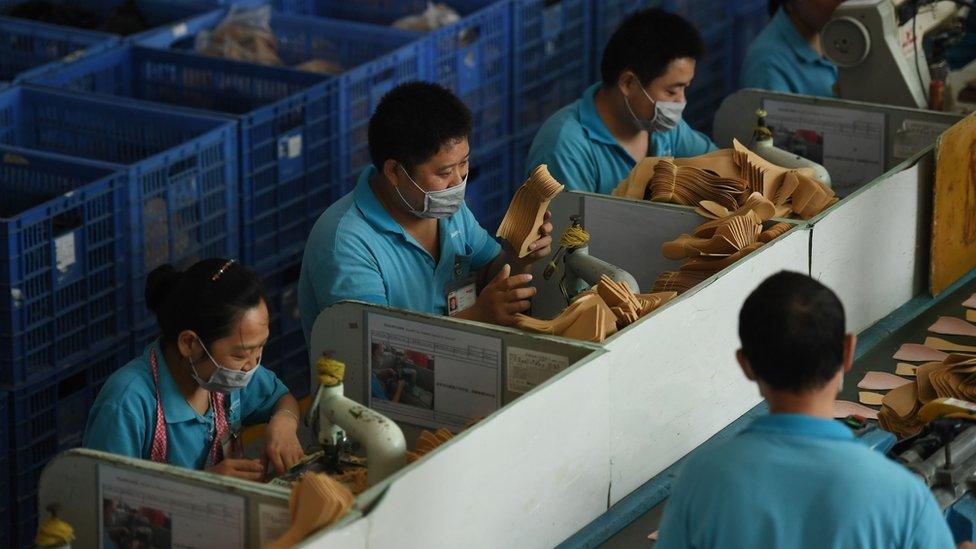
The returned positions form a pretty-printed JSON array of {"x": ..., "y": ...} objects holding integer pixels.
[
  {"x": 787, "y": 56},
  {"x": 404, "y": 236},
  {"x": 796, "y": 477},
  {"x": 185, "y": 398},
  {"x": 634, "y": 112}
]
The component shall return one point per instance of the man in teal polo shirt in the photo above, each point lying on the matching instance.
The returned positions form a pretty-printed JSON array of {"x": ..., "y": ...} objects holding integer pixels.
[
  {"x": 404, "y": 237},
  {"x": 796, "y": 477},
  {"x": 635, "y": 112},
  {"x": 786, "y": 56}
]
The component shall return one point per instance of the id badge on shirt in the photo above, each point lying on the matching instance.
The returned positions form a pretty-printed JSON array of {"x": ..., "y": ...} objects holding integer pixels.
[{"x": 461, "y": 292}]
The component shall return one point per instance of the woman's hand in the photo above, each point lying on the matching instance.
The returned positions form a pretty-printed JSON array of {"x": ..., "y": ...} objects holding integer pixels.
[
  {"x": 282, "y": 449},
  {"x": 247, "y": 469}
]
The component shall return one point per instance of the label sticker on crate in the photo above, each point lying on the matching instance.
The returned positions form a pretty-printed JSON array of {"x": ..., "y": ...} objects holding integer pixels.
[
  {"x": 64, "y": 253},
  {"x": 290, "y": 162}
]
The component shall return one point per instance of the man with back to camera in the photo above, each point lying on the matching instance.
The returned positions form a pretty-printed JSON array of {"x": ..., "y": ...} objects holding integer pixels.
[
  {"x": 796, "y": 477},
  {"x": 635, "y": 112},
  {"x": 404, "y": 236}
]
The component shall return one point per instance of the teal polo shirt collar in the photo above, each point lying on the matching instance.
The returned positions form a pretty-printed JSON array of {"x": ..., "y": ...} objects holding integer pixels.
[
  {"x": 175, "y": 408},
  {"x": 590, "y": 119},
  {"x": 801, "y": 425},
  {"x": 793, "y": 40}
]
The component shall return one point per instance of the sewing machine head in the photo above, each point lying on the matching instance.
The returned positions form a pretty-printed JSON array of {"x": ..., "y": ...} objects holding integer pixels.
[{"x": 580, "y": 270}]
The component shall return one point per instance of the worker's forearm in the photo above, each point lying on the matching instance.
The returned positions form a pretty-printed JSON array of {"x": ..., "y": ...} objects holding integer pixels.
[{"x": 287, "y": 406}]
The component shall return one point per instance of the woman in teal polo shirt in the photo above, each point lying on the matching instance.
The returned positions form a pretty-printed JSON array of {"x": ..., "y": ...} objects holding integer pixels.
[
  {"x": 184, "y": 399},
  {"x": 786, "y": 56}
]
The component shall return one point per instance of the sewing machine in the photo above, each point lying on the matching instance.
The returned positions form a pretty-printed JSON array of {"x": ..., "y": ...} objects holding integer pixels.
[
  {"x": 877, "y": 47},
  {"x": 762, "y": 144},
  {"x": 582, "y": 270}
]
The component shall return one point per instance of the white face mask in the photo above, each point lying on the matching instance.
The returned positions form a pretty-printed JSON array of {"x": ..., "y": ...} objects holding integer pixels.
[
  {"x": 437, "y": 204},
  {"x": 667, "y": 114},
  {"x": 223, "y": 380}
]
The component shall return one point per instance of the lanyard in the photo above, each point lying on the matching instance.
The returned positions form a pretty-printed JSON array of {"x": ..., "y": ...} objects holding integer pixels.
[{"x": 158, "y": 452}]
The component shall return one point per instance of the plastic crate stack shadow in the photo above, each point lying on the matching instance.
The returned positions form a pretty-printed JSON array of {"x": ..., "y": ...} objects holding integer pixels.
[
  {"x": 286, "y": 353},
  {"x": 285, "y": 158},
  {"x": 5, "y": 489},
  {"x": 28, "y": 45},
  {"x": 63, "y": 244},
  {"x": 181, "y": 171},
  {"x": 377, "y": 12},
  {"x": 288, "y": 122},
  {"x": 749, "y": 19},
  {"x": 46, "y": 418},
  {"x": 175, "y": 14},
  {"x": 551, "y": 53}
]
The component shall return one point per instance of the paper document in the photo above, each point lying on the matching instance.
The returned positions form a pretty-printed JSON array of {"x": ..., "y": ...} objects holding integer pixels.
[
  {"x": 273, "y": 521},
  {"x": 430, "y": 375},
  {"x": 141, "y": 510},
  {"x": 849, "y": 143},
  {"x": 529, "y": 369}
]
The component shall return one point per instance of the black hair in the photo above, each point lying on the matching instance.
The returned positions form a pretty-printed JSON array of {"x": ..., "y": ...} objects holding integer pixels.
[
  {"x": 413, "y": 121},
  {"x": 209, "y": 298},
  {"x": 792, "y": 332},
  {"x": 646, "y": 42}
]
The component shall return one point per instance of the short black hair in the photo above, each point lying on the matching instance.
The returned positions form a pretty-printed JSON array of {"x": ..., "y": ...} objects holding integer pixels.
[
  {"x": 413, "y": 121},
  {"x": 209, "y": 298},
  {"x": 792, "y": 332},
  {"x": 646, "y": 42}
]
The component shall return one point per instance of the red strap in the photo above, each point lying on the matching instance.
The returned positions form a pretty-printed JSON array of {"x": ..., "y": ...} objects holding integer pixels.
[
  {"x": 159, "y": 443},
  {"x": 158, "y": 451}
]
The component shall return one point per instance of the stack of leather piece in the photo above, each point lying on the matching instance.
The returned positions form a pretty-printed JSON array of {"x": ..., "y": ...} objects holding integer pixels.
[
  {"x": 427, "y": 442},
  {"x": 528, "y": 208},
  {"x": 727, "y": 178},
  {"x": 717, "y": 243},
  {"x": 598, "y": 313}
]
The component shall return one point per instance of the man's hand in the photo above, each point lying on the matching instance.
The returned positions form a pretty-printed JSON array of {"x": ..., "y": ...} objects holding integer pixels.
[
  {"x": 503, "y": 298},
  {"x": 247, "y": 469},
  {"x": 282, "y": 448}
]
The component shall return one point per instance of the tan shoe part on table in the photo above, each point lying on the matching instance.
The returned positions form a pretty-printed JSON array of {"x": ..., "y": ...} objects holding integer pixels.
[
  {"x": 427, "y": 442},
  {"x": 899, "y": 411},
  {"x": 525, "y": 214},
  {"x": 844, "y": 408},
  {"x": 949, "y": 325},
  {"x": 316, "y": 502},
  {"x": 588, "y": 318},
  {"x": 913, "y": 352},
  {"x": 881, "y": 381},
  {"x": 688, "y": 185},
  {"x": 774, "y": 232}
]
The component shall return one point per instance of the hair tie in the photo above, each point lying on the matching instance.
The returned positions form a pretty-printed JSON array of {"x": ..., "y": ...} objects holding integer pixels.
[{"x": 220, "y": 272}]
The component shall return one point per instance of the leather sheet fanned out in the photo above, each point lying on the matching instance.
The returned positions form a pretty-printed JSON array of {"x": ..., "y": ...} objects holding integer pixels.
[
  {"x": 526, "y": 212},
  {"x": 598, "y": 313},
  {"x": 316, "y": 502},
  {"x": 725, "y": 179},
  {"x": 952, "y": 377},
  {"x": 713, "y": 245}
]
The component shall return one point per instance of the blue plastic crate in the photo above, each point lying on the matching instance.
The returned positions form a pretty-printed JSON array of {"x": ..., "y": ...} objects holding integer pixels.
[
  {"x": 47, "y": 418},
  {"x": 713, "y": 78},
  {"x": 28, "y": 45},
  {"x": 360, "y": 91},
  {"x": 520, "y": 153},
  {"x": 378, "y": 12},
  {"x": 173, "y": 14},
  {"x": 63, "y": 274},
  {"x": 286, "y": 132},
  {"x": 181, "y": 170},
  {"x": 703, "y": 13},
  {"x": 551, "y": 58},
  {"x": 286, "y": 353},
  {"x": 473, "y": 59},
  {"x": 490, "y": 185},
  {"x": 748, "y": 24}
]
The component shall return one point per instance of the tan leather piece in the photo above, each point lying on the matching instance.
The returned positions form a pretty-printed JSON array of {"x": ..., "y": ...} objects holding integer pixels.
[
  {"x": 952, "y": 377},
  {"x": 844, "y": 408},
  {"x": 904, "y": 369},
  {"x": 427, "y": 442},
  {"x": 688, "y": 185},
  {"x": 970, "y": 303},
  {"x": 970, "y": 315},
  {"x": 526, "y": 212},
  {"x": 316, "y": 502},
  {"x": 913, "y": 352},
  {"x": 869, "y": 398},
  {"x": 899, "y": 411},
  {"x": 774, "y": 232},
  {"x": 950, "y": 325},
  {"x": 948, "y": 346},
  {"x": 881, "y": 381}
]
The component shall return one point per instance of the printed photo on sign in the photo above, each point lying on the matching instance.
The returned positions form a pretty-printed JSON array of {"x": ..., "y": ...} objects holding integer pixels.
[
  {"x": 126, "y": 526},
  {"x": 429, "y": 375},
  {"x": 402, "y": 375}
]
